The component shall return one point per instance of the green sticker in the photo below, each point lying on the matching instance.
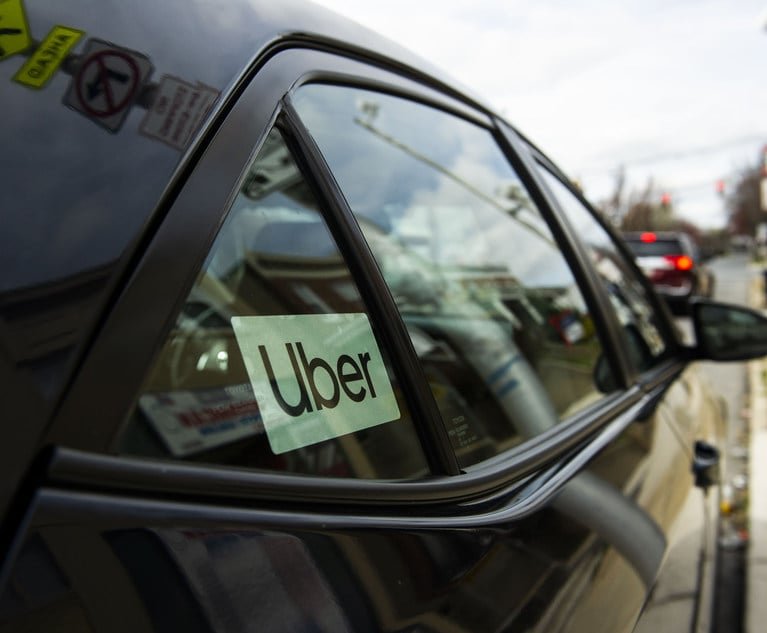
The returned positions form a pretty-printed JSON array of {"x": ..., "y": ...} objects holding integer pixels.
[{"x": 315, "y": 377}]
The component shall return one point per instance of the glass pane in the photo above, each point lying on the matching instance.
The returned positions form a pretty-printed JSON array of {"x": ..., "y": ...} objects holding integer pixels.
[
  {"x": 502, "y": 331},
  {"x": 272, "y": 362},
  {"x": 643, "y": 338},
  {"x": 729, "y": 332},
  {"x": 658, "y": 248}
]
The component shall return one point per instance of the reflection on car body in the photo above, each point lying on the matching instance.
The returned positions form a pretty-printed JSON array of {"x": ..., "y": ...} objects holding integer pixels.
[{"x": 511, "y": 447}]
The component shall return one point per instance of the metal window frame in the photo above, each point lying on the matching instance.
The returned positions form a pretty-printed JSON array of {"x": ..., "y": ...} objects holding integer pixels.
[
  {"x": 674, "y": 358},
  {"x": 92, "y": 412},
  {"x": 376, "y": 296}
]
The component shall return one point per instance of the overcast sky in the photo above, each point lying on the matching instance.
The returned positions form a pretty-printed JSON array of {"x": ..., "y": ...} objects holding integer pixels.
[{"x": 675, "y": 90}]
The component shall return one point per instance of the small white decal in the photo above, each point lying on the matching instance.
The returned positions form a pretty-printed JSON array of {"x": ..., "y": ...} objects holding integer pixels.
[
  {"x": 192, "y": 421},
  {"x": 177, "y": 111}
]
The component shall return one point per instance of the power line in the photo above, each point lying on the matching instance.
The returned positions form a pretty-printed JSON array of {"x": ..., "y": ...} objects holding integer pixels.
[
  {"x": 684, "y": 154},
  {"x": 708, "y": 184}
]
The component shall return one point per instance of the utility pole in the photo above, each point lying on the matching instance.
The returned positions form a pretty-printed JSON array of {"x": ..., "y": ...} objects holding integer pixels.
[{"x": 763, "y": 181}]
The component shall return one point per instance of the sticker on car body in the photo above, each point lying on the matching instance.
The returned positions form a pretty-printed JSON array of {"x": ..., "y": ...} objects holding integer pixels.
[
  {"x": 14, "y": 29},
  {"x": 315, "y": 377},
  {"x": 107, "y": 83},
  {"x": 177, "y": 111},
  {"x": 48, "y": 57}
]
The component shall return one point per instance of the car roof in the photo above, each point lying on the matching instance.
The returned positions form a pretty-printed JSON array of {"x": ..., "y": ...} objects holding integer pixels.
[{"x": 75, "y": 195}]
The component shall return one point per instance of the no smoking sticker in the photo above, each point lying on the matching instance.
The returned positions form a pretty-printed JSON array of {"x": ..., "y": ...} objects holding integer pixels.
[{"x": 107, "y": 83}]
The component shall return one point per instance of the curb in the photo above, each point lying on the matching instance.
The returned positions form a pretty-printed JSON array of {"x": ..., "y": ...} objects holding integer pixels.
[{"x": 756, "y": 576}]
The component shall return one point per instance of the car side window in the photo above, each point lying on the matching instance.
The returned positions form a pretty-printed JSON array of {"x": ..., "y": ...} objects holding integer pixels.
[
  {"x": 503, "y": 334},
  {"x": 272, "y": 362},
  {"x": 642, "y": 332}
]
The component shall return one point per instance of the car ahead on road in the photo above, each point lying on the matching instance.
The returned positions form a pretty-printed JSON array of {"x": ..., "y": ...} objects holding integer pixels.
[
  {"x": 672, "y": 262},
  {"x": 298, "y": 335}
]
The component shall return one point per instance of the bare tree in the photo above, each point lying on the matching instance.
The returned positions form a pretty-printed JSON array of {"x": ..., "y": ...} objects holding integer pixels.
[
  {"x": 640, "y": 209},
  {"x": 643, "y": 209},
  {"x": 743, "y": 204}
]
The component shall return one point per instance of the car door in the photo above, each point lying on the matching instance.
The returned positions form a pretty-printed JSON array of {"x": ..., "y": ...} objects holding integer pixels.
[
  {"x": 687, "y": 412},
  {"x": 340, "y": 409}
]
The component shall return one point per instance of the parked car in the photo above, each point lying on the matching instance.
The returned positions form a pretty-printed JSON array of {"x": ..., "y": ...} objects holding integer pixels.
[
  {"x": 672, "y": 262},
  {"x": 297, "y": 335}
]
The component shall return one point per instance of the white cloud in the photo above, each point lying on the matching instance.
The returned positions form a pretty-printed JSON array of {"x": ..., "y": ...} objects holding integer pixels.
[{"x": 597, "y": 84}]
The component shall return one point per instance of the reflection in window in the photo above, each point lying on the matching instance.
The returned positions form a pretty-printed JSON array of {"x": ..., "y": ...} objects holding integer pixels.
[
  {"x": 273, "y": 256},
  {"x": 502, "y": 331},
  {"x": 643, "y": 338}
]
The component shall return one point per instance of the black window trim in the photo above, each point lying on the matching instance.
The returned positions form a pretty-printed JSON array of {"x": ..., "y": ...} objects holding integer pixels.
[
  {"x": 578, "y": 260},
  {"x": 375, "y": 293},
  {"x": 497, "y": 507},
  {"x": 514, "y": 151},
  {"x": 297, "y": 58},
  {"x": 540, "y": 455},
  {"x": 142, "y": 289},
  {"x": 575, "y": 257},
  {"x": 675, "y": 354},
  {"x": 400, "y": 87}
]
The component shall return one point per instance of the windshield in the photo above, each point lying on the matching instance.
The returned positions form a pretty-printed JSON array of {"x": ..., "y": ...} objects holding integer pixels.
[{"x": 654, "y": 249}]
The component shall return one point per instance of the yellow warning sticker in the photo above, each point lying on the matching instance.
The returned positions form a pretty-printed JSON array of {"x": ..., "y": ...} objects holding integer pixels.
[
  {"x": 48, "y": 57},
  {"x": 14, "y": 30}
]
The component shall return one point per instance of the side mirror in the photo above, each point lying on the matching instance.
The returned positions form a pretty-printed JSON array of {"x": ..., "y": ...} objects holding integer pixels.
[
  {"x": 603, "y": 376},
  {"x": 727, "y": 332}
]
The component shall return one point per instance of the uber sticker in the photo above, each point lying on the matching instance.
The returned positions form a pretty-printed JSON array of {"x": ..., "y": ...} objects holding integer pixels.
[{"x": 315, "y": 377}]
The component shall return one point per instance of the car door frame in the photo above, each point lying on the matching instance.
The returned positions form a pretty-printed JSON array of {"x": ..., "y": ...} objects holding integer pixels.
[
  {"x": 665, "y": 372},
  {"x": 187, "y": 231}
]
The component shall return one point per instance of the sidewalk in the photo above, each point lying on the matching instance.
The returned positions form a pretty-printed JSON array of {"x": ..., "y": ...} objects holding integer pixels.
[{"x": 756, "y": 575}]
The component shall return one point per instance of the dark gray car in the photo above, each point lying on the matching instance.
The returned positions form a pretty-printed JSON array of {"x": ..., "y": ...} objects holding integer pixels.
[
  {"x": 672, "y": 262},
  {"x": 296, "y": 335}
]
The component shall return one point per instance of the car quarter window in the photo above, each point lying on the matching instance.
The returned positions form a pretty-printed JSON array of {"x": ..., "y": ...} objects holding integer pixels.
[
  {"x": 272, "y": 362},
  {"x": 503, "y": 334},
  {"x": 642, "y": 331}
]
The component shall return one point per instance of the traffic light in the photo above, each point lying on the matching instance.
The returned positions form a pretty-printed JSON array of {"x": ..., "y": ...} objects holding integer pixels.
[
  {"x": 720, "y": 185},
  {"x": 665, "y": 200}
]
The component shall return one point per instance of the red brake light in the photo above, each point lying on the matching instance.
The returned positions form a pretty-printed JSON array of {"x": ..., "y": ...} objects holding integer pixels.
[
  {"x": 680, "y": 262},
  {"x": 684, "y": 263},
  {"x": 648, "y": 237}
]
